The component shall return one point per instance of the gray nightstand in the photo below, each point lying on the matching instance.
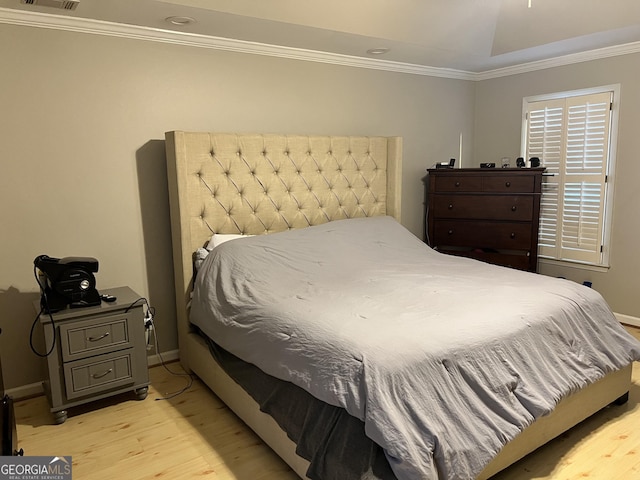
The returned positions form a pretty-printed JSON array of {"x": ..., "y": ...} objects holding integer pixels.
[{"x": 100, "y": 351}]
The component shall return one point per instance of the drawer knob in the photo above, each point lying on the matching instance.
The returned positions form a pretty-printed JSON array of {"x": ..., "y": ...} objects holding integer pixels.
[
  {"x": 514, "y": 208},
  {"x": 450, "y": 206},
  {"x": 507, "y": 184},
  {"x": 513, "y": 235},
  {"x": 457, "y": 184},
  {"x": 450, "y": 232},
  {"x": 95, "y": 339},
  {"x": 103, "y": 374}
]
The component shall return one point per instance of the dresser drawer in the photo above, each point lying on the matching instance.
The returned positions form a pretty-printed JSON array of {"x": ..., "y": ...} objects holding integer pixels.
[
  {"x": 489, "y": 207},
  {"x": 506, "y": 184},
  {"x": 94, "y": 336},
  {"x": 98, "y": 374},
  {"x": 497, "y": 235},
  {"x": 457, "y": 183}
]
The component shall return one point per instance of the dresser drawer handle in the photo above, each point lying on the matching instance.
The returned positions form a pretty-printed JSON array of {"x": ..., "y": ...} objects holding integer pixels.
[
  {"x": 450, "y": 232},
  {"x": 457, "y": 184},
  {"x": 96, "y": 376},
  {"x": 513, "y": 235},
  {"x": 514, "y": 208},
  {"x": 507, "y": 184},
  {"x": 451, "y": 206},
  {"x": 95, "y": 339}
]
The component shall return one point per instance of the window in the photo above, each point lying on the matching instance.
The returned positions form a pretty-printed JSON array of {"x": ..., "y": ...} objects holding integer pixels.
[{"x": 574, "y": 135}]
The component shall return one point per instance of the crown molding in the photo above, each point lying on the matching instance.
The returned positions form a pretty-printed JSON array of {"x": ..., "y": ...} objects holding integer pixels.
[
  {"x": 99, "y": 27},
  {"x": 597, "y": 54}
]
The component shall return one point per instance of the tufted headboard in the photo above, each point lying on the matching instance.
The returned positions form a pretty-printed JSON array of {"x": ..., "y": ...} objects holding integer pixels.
[{"x": 255, "y": 184}]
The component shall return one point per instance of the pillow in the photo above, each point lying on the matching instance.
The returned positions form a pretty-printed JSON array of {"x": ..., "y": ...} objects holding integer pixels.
[
  {"x": 215, "y": 240},
  {"x": 220, "y": 238},
  {"x": 199, "y": 257}
]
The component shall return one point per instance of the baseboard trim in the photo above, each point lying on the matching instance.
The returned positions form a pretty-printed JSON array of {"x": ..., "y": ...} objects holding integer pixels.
[
  {"x": 628, "y": 319},
  {"x": 26, "y": 391},
  {"x": 170, "y": 356}
]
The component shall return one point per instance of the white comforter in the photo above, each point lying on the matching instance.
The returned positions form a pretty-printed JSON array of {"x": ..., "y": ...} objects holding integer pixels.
[{"x": 445, "y": 359}]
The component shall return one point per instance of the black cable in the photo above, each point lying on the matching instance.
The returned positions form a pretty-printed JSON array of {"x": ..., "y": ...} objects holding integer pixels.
[
  {"x": 134, "y": 303},
  {"x": 151, "y": 312},
  {"x": 44, "y": 305},
  {"x": 169, "y": 396}
]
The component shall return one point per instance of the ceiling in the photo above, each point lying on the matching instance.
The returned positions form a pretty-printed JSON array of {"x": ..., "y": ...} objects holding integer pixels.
[{"x": 467, "y": 35}]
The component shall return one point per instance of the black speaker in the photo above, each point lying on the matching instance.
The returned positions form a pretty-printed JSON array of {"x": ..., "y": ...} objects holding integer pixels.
[{"x": 68, "y": 281}]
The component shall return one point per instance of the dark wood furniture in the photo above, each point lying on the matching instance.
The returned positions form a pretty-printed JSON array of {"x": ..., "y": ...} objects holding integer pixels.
[{"x": 491, "y": 214}]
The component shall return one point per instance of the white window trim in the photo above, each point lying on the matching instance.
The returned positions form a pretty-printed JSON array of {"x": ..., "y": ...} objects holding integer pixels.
[
  {"x": 573, "y": 264},
  {"x": 611, "y": 166}
]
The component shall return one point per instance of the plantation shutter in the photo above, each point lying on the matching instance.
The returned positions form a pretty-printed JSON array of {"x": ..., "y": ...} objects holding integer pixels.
[
  {"x": 545, "y": 140},
  {"x": 571, "y": 138}
]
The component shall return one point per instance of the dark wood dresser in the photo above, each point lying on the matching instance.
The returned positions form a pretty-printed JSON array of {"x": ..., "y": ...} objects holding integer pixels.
[{"x": 490, "y": 214}]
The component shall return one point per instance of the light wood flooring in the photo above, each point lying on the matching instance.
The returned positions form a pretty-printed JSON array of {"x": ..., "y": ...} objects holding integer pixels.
[{"x": 194, "y": 435}]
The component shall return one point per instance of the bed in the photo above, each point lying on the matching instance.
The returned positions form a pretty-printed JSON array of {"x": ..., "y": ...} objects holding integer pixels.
[{"x": 252, "y": 184}]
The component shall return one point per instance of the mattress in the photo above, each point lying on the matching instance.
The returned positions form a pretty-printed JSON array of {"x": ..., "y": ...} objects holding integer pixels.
[{"x": 443, "y": 359}]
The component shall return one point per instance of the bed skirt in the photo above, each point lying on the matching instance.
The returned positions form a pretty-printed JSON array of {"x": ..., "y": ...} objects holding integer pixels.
[{"x": 328, "y": 437}]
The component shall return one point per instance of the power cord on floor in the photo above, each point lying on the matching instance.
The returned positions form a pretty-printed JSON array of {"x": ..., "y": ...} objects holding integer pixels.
[{"x": 151, "y": 328}]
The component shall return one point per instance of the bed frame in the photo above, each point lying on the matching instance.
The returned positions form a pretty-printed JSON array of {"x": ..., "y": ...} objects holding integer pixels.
[{"x": 256, "y": 184}]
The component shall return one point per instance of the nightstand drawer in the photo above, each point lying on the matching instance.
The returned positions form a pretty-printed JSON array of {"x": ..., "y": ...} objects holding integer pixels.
[
  {"x": 94, "y": 336},
  {"x": 488, "y": 207},
  {"x": 94, "y": 375},
  {"x": 499, "y": 235}
]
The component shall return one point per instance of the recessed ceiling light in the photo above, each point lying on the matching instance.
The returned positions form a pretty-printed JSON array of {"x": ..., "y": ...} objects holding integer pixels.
[
  {"x": 377, "y": 51},
  {"x": 180, "y": 21}
]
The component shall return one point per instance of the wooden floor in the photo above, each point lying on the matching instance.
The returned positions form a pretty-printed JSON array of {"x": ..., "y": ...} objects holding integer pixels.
[{"x": 193, "y": 435}]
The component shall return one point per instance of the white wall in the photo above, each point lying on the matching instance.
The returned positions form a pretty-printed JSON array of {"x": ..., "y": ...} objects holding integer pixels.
[{"x": 82, "y": 149}]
